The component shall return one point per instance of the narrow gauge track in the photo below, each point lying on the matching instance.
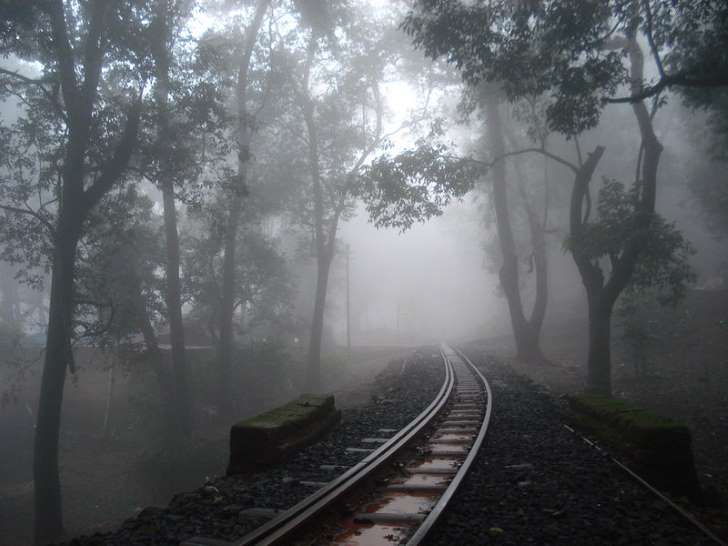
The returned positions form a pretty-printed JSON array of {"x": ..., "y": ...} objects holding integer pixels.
[{"x": 396, "y": 493}]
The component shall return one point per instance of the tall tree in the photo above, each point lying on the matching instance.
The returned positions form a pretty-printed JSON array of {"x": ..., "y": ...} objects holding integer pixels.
[
  {"x": 162, "y": 38},
  {"x": 342, "y": 109},
  {"x": 579, "y": 65},
  {"x": 237, "y": 188},
  {"x": 526, "y": 331},
  {"x": 82, "y": 49}
]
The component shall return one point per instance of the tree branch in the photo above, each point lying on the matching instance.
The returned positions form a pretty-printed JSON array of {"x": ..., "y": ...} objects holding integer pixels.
[
  {"x": 541, "y": 151},
  {"x": 30, "y": 212},
  {"x": 670, "y": 80},
  {"x": 115, "y": 167},
  {"x": 651, "y": 39},
  {"x": 64, "y": 53}
]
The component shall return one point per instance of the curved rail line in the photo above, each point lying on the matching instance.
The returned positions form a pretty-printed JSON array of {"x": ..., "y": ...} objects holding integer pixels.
[{"x": 432, "y": 454}]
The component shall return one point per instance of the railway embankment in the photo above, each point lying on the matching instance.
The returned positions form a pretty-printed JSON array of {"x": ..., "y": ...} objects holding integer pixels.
[{"x": 228, "y": 507}]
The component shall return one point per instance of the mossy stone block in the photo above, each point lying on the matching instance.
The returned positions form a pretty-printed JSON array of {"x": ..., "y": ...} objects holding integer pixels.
[
  {"x": 660, "y": 447},
  {"x": 272, "y": 436}
]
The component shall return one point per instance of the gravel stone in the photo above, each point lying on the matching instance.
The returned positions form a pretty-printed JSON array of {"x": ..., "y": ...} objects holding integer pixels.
[
  {"x": 535, "y": 482},
  {"x": 214, "y": 509}
]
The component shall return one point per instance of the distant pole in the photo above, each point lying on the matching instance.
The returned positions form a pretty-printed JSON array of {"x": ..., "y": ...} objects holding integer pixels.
[{"x": 348, "y": 303}]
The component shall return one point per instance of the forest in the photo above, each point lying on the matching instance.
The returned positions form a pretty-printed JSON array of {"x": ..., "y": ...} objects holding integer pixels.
[{"x": 208, "y": 207}]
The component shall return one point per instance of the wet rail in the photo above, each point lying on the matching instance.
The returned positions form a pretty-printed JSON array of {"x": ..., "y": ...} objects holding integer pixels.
[{"x": 397, "y": 492}]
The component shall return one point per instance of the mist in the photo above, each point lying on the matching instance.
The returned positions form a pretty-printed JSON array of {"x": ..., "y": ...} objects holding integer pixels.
[{"x": 211, "y": 209}]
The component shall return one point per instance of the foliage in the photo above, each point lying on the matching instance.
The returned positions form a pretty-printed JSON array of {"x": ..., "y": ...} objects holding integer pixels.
[
  {"x": 416, "y": 185},
  {"x": 263, "y": 291},
  {"x": 118, "y": 268},
  {"x": 707, "y": 178},
  {"x": 663, "y": 264},
  {"x": 566, "y": 50}
]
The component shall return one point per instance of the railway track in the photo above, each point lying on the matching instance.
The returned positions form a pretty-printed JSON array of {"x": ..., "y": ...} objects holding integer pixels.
[{"x": 397, "y": 492}]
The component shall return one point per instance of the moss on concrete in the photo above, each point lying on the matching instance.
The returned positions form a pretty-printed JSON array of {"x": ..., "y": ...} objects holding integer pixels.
[
  {"x": 660, "y": 447},
  {"x": 294, "y": 412},
  {"x": 272, "y": 436}
]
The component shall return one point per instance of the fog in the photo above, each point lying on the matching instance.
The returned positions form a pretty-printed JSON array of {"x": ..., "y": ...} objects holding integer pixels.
[
  {"x": 423, "y": 285},
  {"x": 210, "y": 208}
]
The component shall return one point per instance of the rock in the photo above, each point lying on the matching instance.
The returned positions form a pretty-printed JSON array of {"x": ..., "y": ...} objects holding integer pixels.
[{"x": 495, "y": 531}]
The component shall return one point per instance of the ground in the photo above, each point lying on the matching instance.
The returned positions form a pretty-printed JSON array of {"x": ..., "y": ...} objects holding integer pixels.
[
  {"x": 684, "y": 375},
  {"x": 107, "y": 478}
]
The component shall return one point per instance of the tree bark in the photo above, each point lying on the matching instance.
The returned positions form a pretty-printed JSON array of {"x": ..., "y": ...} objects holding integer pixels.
[
  {"x": 525, "y": 333},
  {"x": 540, "y": 260},
  {"x": 313, "y": 376},
  {"x": 601, "y": 295},
  {"x": 182, "y": 402},
  {"x": 244, "y": 137},
  {"x": 10, "y": 299},
  {"x": 599, "y": 379},
  {"x": 324, "y": 248},
  {"x": 165, "y": 181},
  {"x": 79, "y": 100},
  {"x": 227, "y": 307},
  {"x": 47, "y": 499}
]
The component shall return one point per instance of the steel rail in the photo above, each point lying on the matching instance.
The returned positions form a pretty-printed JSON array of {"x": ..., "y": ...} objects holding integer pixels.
[
  {"x": 292, "y": 519},
  {"x": 443, "y": 501}
]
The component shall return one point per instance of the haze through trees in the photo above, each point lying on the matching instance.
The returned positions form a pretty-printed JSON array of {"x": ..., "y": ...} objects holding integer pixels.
[
  {"x": 572, "y": 53},
  {"x": 153, "y": 173}
]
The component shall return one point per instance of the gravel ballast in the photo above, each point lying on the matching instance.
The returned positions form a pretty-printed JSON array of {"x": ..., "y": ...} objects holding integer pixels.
[
  {"x": 536, "y": 482},
  {"x": 221, "y": 508}
]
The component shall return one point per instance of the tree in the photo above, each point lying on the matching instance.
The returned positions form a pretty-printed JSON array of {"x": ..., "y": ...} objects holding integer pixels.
[
  {"x": 164, "y": 32},
  {"x": 342, "y": 109},
  {"x": 245, "y": 129},
  {"x": 262, "y": 287},
  {"x": 526, "y": 331},
  {"x": 185, "y": 141},
  {"x": 579, "y": 65},
  {"x": 81, "y": 116}
]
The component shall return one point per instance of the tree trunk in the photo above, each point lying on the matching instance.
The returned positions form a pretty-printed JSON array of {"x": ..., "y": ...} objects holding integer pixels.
[
  {"x": 10, "y": 299},
  {"x": 182, "y": 404},
  {"x": 79, "y": 99},
  {"x": 603, "y": 295},
  {"x": 313, "y": 376},
  {"x": 244, "y": 138},
  {"x": 173, "y": 299},
  {"x": 110, "y": 391},
  {"x": 154, "y": 358},
  {"x": 538, "y": 241},
  {"x": 227, "y": 307},
  {"x": 48, "y": 505},
  {"x": 526, "y": 335},
  {"x": 599, "y": 379}
]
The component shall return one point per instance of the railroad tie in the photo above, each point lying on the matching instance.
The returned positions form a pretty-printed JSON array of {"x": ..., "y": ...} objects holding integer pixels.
[{"x": 389, "y": 518}]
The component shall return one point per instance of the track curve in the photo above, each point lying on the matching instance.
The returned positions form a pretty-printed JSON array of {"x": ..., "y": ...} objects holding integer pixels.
[{"x": 397, "y": 492}]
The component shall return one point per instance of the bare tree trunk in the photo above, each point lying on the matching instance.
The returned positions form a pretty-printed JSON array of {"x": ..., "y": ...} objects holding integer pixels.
[
  {"x": 313, "y": 377},
  {"x": 593, "y": 280},
  {"x": 324, "y": 248},
  {"x": 110, "y": 391},
  {"x": 48, "y": 505},
  {"x": 173, "y": 299},
  {"x": 540, "y": 261},
  {"x": 526, "y": 336},
  {"x": 183, "y": 419},
  {"x": 244, "y": 138},
  {"x": 603, "y": 295},
  {"x": 79, "y": 99},
  {"x": 10, "y": 300},
  {"x": 227, "y": 306},
  {"x": 599, "y": 361}
]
